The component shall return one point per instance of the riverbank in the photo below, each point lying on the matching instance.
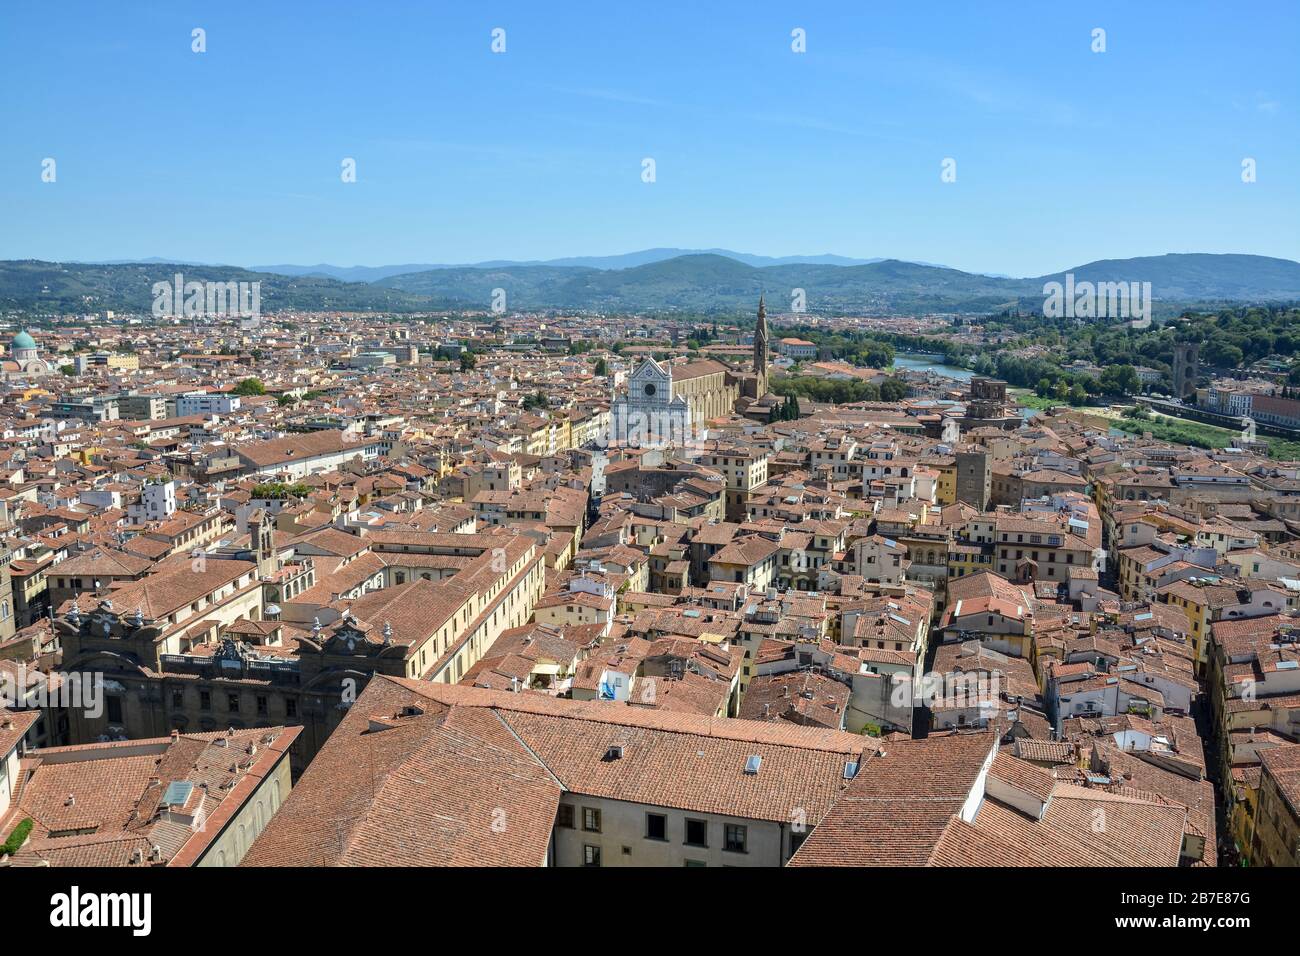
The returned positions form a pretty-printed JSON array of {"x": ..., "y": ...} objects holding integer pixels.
[
  {"x": 1200, "y": 435},
  {"x": 1026, "y": 397}
]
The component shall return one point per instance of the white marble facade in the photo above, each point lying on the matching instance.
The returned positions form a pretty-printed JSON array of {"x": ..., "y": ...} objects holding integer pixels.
[{"x": 649, "y": 415}]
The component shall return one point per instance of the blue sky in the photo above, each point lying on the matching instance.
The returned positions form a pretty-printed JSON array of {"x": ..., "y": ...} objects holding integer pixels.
[{"x": 1063, "y": 155}]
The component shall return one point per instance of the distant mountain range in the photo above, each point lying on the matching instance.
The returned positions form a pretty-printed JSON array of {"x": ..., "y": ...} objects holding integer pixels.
[
  {"x": 34, "y": 286},
  {"x": 661, "y": 282},
  {"x": 711, "y": 282},
  {"x": 625, "y": 261}
]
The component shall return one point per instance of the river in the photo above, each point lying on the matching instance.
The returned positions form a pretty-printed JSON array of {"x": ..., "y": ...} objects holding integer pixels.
[
  {"x": 931, "y": 363},
  {"x": 934, "y": 363}
]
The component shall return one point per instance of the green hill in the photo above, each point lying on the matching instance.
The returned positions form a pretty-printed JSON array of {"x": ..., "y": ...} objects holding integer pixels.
[
  {"x": 56, "y": 287},
  {"x": 691, "y": 283}
]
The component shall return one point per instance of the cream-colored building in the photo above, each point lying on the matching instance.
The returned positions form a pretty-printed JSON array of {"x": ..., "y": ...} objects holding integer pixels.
[{"x": 745, "y": 470}]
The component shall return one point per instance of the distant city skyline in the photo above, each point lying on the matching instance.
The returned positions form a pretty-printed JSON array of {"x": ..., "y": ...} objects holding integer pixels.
[{"x": 1063, "y": 155}]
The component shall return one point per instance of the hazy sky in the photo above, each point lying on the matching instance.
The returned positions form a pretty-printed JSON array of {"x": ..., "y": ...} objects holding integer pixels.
[{"x": 234, "y": 155}]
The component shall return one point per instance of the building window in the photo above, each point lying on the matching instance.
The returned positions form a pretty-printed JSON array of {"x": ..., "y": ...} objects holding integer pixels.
[
  {"x": 114, "y": 707},
  {"x": 697, "y": 833},
  {"x": 656, "y": 826},
  {"x": 735, "y": 838},
  {"x": 205, "y": 700},
  {"x": 261, "y": 704},
  {"x": 178, "y": 699},
  {"x": 291, "y": 708},
  {"x": 232, "y": 702},
  {"x": 564, "y": 816},
  {"x": 590, "y": 855},
  {"x": 590, "y": 820}
]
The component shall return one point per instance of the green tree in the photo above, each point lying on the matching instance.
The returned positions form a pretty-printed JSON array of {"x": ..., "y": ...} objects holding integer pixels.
[
  {"x": 1120, "y": 380},
  {"x": 893, "y": 390},
  {"x": 875, "y": 355},
  {"x": 250, "y": 386},
  {"x": 1223, "y": 354},
  {"x": 17, "y": 837},
  {"x": 278, "y": 490}
]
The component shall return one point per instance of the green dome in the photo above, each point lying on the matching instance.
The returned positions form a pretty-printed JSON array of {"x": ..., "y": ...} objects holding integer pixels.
[{"x": 23, "y": 341}]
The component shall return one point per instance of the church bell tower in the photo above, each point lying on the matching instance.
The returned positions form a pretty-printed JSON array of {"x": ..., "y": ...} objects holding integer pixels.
[{"x": 760, "y": 348}]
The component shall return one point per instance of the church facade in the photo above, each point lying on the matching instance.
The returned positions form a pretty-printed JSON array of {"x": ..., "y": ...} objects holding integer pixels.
[
  {"x": 649, "y": 415},
  {"x": 670, "y": 404}
]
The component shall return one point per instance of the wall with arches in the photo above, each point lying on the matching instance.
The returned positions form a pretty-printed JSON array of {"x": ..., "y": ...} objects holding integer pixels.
[{"x": 237, "y": 837}]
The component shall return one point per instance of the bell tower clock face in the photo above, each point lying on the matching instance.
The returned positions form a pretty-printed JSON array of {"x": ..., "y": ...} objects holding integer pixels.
[{"x": 649, "y": 389}]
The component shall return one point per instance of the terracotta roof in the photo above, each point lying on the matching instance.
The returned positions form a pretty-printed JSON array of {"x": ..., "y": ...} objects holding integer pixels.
[
  {"x": 416, "y": 770},
  {"x": 896, "y": 809}
]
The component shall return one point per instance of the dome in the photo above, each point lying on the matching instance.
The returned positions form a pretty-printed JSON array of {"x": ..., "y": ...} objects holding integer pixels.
[{"x": 23, "y": 341}]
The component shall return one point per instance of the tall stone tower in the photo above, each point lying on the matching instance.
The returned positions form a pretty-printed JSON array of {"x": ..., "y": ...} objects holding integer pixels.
[
  {"x": 760, "y": 348},
  {"x": 263, "y": 537},
  {"x": 1186, "y": 369},
  {"x": 974, "y": 477}
]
